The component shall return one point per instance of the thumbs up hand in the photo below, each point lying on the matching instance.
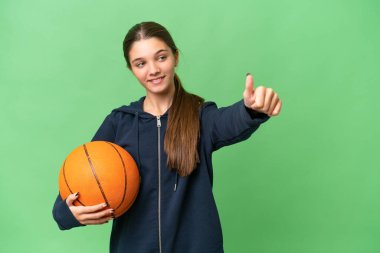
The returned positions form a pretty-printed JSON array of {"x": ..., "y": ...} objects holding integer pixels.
[{"x": 261, "y": 99}]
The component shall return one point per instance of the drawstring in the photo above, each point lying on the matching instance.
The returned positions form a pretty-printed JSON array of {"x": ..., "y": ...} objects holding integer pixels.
[
  {"x": 138, "y": 139},
  {"x": 176, "y": 182}
]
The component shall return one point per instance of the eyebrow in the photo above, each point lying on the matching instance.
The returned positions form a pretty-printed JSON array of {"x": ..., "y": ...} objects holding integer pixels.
[{"x": 159, "y": 51}]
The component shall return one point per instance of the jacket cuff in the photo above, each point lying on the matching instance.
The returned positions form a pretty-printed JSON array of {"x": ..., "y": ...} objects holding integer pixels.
[
  {"x": 252, "y": 117},
  {"x": 64, "y": 217}
]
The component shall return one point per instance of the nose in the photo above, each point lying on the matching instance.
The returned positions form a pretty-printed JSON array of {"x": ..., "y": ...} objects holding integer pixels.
[{"x": 154, "y": 69}]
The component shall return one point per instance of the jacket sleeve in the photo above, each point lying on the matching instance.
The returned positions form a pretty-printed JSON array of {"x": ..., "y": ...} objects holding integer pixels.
[
  {"x": 63, "y": 216},
  {"x": 61, "y": 212},
  {"x": 228, "y": 125},
  {"x": 106, "y": 131}
]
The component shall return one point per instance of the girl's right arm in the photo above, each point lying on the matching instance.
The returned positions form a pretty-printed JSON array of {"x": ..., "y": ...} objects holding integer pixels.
[{"x": 66, "y": 214}]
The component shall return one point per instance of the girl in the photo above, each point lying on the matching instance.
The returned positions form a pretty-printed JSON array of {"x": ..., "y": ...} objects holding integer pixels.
[{"x": 171, "y": 134}]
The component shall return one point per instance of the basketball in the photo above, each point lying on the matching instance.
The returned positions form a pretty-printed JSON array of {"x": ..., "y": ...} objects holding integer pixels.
[{"x": 102, "y": 172}]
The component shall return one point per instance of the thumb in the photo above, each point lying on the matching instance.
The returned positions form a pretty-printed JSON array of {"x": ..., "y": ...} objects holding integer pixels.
[
  {"x": 71, "y": 198},
  {"x": 249, "y": 86}
]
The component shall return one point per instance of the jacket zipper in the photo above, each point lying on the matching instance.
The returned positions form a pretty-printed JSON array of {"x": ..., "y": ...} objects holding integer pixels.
[{"x": 159, "y": 183}]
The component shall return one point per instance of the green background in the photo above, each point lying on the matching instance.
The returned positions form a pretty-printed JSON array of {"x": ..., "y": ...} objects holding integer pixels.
[{"x": 306, "y": 181}]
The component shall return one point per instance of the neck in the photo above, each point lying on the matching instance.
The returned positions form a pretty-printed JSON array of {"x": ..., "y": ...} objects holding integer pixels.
[{"x": 158, "y": 104}]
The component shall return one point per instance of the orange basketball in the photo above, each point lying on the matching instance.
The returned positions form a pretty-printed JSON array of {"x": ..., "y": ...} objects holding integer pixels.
[{"x": 102, "y": 172}]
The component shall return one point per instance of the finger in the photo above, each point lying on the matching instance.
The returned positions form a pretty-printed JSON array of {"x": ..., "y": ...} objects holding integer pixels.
[
  {"x": 93, "y": 209},
  {"x": 259, "y": 98},
  {"x": 249, "y": 87},
  {"x": 248, "y": 91},
  {"x": 71, "y": 198},
  {"x": 98, "y": 221},
  {"x": 277, "y": 109},
  {"x": 273, "y": 104},
  {"x": 268, "y": 99},
  {"x": 97, "y": 215}
]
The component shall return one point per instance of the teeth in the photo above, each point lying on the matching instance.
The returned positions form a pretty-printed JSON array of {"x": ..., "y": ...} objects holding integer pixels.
[{"x": 157, "y": 80}]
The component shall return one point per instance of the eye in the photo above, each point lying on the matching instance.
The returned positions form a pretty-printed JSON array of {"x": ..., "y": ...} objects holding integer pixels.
[
  {"x": 140, "y": 64},
  {"x": 162, "y": 57}
]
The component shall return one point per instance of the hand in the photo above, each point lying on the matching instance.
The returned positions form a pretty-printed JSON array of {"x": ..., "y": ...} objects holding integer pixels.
[
  {"x": 261, "y": 99},
  {"x": 89, "y": 215}
]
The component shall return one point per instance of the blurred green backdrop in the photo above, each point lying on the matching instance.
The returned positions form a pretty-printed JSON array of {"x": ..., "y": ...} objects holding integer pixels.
[{"x": 307, "y": 181}]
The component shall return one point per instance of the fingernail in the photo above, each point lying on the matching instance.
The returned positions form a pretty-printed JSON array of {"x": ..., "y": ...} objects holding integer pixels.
[
  {"x": 111, "y": 211},
  {"x": 104, "y": 204},
  {"x": 76, "y": 194}
]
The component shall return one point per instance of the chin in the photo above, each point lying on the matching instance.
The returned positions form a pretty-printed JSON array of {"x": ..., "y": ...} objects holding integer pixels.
[{"x": 160, "y": 90}]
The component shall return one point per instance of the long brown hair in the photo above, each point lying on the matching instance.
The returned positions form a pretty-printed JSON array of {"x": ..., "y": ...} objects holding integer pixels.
[{"x": 183, "y": 131}]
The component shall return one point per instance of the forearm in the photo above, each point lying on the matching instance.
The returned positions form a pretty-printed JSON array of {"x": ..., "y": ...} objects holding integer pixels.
[
  {"x": 231, "y": 124},
  {"x": 63, "y": 216}
]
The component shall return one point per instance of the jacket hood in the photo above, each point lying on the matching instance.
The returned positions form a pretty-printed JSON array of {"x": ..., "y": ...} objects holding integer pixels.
[{"x": 135, "y": 107}]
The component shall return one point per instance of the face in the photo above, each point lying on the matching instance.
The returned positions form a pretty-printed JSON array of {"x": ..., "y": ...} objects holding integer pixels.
[{"x": 153, "y": 64}]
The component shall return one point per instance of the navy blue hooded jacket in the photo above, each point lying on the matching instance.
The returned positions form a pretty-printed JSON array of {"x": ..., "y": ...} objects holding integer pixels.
[{"x": 171, "y": 213}]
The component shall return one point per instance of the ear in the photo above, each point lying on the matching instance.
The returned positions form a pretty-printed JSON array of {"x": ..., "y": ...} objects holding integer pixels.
[{"x": 176, "y": 57}]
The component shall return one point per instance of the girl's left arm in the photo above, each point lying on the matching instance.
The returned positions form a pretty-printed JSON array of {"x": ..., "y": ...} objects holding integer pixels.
[{"x": 228, "y": 125}]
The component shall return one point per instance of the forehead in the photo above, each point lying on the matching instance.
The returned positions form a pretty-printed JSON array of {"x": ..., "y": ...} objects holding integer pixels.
[{"x": 146, "y": 48}]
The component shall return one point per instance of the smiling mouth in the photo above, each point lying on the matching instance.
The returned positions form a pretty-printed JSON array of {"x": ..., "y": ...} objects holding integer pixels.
[{"x": 157, "y": 80}]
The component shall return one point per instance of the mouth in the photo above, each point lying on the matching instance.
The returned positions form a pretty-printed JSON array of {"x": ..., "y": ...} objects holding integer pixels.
[{"x": 157, "y": 80}]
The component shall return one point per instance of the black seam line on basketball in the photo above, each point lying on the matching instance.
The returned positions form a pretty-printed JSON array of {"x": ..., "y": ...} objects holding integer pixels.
[
  {"x": 67, "y": 183},
  {"x": 134, "y": 198},
  {"x": 125, "y": 175},
  {"x": 94, "y": 173}
]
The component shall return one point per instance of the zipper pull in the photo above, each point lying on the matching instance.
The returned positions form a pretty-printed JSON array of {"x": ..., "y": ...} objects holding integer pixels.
[
  {"x": 158, "y": 121},
  {"x": 176, "y": 181}
]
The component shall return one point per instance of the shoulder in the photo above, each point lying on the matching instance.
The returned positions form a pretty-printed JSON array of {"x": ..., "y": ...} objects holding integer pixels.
[
  {"x": 124, "y": 111},
  {"x": 208, "y": 106},
  {"x": 133, "y": 108}
]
